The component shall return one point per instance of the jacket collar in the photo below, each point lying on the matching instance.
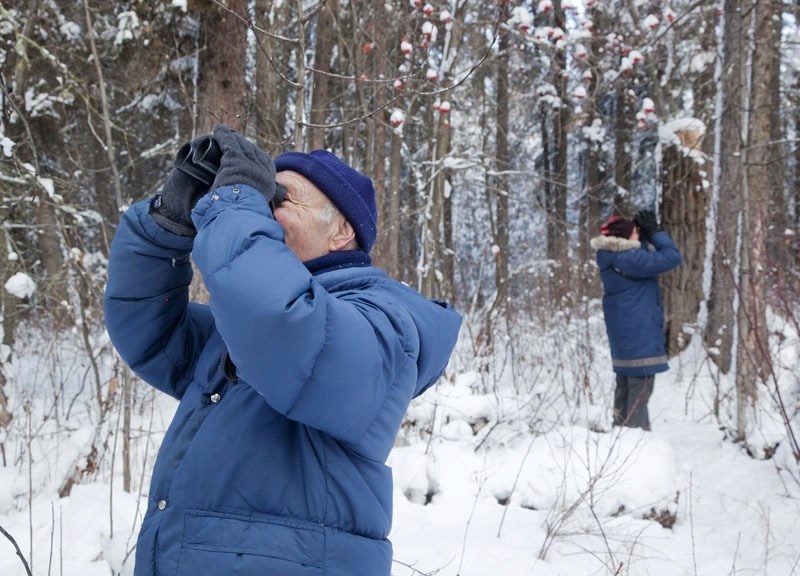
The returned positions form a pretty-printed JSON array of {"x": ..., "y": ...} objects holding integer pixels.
[
  {"x": 338, "y": 261},
  {"x": 614, "y": 244}
]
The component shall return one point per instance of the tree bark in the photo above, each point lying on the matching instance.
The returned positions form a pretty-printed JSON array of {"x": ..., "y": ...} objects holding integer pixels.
[
  {"x": 376, "y": 47},
  {"x": 752, "y": 346},
  {"x": 623, "y": 119},
  {"x": 272, "y": 94},
  {"x": 221, "y": 82},
  {"x": 393, "y": 218},
  {"x": 557, "y": 238},
  {"x": 720, "y": 327},
  {"x": 503, "y": 163},
  {"x": 321, "y": 81},
  {"x": 683, "y": 215}
]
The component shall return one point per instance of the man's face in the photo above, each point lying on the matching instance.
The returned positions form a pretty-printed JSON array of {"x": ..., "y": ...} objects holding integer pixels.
[{"x": 302, "y": 214}]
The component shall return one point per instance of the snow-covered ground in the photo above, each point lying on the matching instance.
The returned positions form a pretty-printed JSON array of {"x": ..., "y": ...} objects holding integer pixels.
[
  {"x": 515, "y": 474},
  {"x": 578, "y": 499}
]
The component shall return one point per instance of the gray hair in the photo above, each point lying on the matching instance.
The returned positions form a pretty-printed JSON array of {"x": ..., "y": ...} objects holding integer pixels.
[{"x": 328, "y": 213}]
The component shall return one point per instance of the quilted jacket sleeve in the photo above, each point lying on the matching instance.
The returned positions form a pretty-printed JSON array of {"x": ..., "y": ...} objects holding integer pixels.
[
  {"x": 147, "y": 311},
  {"x": 648, "y": 264},
  {"x": 337, "y": 363}
]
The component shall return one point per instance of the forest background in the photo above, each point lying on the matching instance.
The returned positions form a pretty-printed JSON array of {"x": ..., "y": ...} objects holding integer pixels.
[{"x": 499, "y": 135}]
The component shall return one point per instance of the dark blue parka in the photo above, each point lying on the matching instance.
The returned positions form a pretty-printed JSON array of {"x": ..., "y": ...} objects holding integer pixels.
[
  {"x": 632, "y": 300},
  {"x": 292, "y": 387}
]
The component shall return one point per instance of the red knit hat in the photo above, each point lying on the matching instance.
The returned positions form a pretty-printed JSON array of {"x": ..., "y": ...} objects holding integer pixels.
[{"x": 617, "y": 226}]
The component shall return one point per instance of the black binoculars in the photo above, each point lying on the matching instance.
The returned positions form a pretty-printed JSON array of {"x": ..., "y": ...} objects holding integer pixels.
[{"x": 200, "y": 160}]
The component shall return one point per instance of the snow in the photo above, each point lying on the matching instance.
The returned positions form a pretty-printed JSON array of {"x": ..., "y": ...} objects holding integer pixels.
[
  {"x": 128, "y": 27},
  {"x": 678, "y": 124},
  {"x": 521, "y": 17},
  {"x": 20, "y": 285},
  {"x": 397, "y": 117},
  {"x": 595, "y": 133},
  {"x": 496, "y": 471},
  {"x": 7, "y": 145},
  {"x": 685, "y": 133},
  {"x": 7, "y": 24},
  {"x": 70, "y": 30}
]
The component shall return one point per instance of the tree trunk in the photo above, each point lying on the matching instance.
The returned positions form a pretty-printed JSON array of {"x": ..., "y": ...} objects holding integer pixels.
[
  {"x": 37, "y": 132},
  {"x": 51, "y": 251},
  {"x": 9, "y": 318},
  {"x": 390, "y": 254},
  {"x": 272, "y": 92},
  {"x": 503, "y": 164},
  {"x": 441, "y": 185},
  {"x": 221, "y": 82},
  {"x": 752, "y": 350},
  {"x": 589, "y": 207},
  {"x": 720, "y": 327},
  {"x": 794, "y": 182},
  {"x": 557, "y": 238},
  {"x": 683, "y": 215},
  {"x": 378, "y": 55},
  {"x": 777, "y": 213},
  {"x": 432, "y": 242},
  {"x": 320, "y": 92},
  {"x": 623, "y": 169}
]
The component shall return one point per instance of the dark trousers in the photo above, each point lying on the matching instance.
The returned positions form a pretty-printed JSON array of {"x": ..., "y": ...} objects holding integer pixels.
[{"x": 630, "y": 401}]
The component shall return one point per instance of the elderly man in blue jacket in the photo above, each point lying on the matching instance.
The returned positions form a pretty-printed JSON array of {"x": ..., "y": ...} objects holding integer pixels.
[
  {"x": 292, "y": 381},
  {"x": 630, "y": 255}
]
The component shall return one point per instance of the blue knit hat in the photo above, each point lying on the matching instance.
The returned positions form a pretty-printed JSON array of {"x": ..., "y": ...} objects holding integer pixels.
[{"x": 349, "y": 190}]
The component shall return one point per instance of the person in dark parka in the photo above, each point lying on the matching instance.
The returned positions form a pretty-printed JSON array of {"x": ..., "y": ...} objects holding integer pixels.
[
  {"x": 292, "y": 381},
  {"x": 630, "y": 255}
]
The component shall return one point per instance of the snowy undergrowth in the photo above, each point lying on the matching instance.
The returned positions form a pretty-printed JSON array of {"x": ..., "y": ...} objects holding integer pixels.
[
  {"x": 509, "y": 465},
  {"x": 529, "y": 467}
]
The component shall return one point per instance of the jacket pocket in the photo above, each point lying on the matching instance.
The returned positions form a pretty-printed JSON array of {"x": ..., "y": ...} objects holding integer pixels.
[{"x": 250, "y": 546}]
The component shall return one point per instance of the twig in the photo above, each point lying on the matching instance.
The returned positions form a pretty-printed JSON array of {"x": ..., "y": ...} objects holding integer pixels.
[
  {"x": 691, "y": 523},
  {"x": 514, "y": 486},
  {"x": 466, "y": 529},
  {"x": 415, "y": 571},
  {"x": 29, "y": 443},
  {"x": 52, "y": 536},
  {"x": 16, "y": 547}
]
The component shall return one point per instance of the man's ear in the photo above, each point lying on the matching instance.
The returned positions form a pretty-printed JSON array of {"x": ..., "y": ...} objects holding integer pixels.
[{"x": 344, "y": 237}]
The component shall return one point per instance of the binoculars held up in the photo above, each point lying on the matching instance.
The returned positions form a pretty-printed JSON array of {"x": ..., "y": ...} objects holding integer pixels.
[{"x": 201, "y": 162}]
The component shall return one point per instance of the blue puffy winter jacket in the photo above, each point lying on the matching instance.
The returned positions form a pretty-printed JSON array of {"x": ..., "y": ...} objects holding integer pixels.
[
  {"x": 292, "y": 387},
  {"x": 632, "y": 300}
]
